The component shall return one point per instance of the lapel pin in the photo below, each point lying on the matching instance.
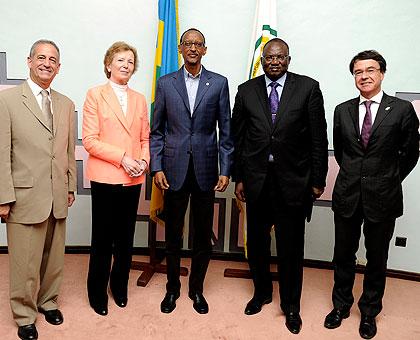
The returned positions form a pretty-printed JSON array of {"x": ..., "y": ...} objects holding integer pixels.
[
  {"x": 207, "y": 84},
  {"x": 387, "y": 108}
]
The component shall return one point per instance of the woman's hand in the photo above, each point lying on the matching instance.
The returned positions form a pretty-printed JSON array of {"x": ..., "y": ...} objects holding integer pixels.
[{"x": 131, "y": 167}]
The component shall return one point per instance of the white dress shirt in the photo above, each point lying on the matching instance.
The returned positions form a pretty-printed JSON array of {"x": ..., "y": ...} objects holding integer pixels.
[
  {"x": 36, "y": 90},
  {"x": 192, "y": 82}
]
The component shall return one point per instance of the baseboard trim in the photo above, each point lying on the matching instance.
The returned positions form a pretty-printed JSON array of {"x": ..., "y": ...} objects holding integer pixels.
[{"x": 239, "y": 257}]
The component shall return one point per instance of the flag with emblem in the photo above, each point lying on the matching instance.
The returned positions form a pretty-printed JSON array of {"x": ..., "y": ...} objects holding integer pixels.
[{"x": 265, "y": 28}]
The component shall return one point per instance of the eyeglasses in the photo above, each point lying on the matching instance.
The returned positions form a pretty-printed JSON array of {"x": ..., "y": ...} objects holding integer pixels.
[
  {"x": 270, "y": 58},
  {"x": 197, "y": 44},
  {"x": 369, "y": 71}
]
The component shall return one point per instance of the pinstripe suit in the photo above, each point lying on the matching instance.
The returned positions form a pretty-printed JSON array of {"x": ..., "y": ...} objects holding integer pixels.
[{"x": 368, "y": 190}]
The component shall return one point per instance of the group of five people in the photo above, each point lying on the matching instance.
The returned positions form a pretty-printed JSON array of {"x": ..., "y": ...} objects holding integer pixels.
[{"x": 274, "y": 146}]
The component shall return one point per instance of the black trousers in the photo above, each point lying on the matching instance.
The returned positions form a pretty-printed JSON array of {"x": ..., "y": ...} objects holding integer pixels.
[
  {"x": 377, "y": 238},
  {"x": 289, "y": 223},
  {"x": 202, "y": 208},
  {"x": 114, "y": 212}
]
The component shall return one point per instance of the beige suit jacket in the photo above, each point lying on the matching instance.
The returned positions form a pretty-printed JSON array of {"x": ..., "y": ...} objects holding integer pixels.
[{"x": 37, "y": 166}]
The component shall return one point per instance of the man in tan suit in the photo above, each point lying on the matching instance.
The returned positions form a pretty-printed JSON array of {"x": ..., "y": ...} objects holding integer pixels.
[{"x": 37, "y": 184}]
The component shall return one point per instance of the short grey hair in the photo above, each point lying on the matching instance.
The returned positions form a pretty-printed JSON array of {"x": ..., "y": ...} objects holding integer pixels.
[{"x": 40, "y": 42}]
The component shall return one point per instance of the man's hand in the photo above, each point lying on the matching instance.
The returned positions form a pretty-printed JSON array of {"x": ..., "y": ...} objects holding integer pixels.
[
  {"x": 160, "y": 180},
  {"x": 317, "y": 192},
  {"x": 239, "y": 191},
  {"x": 70, "y": 199},
  {"x": 4, "y": 211},
  {"x": 222, "y": 183},
  {"x": 131, "y": 167}
]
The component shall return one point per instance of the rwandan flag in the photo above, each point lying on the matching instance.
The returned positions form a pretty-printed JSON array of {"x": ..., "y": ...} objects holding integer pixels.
[{"x": 166, "y": 61}]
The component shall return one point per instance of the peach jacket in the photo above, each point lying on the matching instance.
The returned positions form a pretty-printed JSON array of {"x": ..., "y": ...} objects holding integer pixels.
[{"x": 108, "y": 134}]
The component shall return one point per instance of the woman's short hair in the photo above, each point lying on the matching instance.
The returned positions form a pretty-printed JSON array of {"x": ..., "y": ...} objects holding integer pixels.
[{"x": 119, "y": 46}]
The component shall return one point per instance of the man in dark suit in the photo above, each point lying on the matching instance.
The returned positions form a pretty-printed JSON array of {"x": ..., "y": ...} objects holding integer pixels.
[
  {"x": 281, "y": 153},
  {"x": 37, "y": 184},
  {"x": 189, "y": 104},
  {"x": 376, "y": 145}
]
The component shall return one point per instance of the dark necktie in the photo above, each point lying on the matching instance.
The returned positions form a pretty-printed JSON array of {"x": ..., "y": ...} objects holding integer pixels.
[
  {"x": 367, "y": 124},
  {"x": 274, "y": 100},
  {"x": 46, "y": 108}
]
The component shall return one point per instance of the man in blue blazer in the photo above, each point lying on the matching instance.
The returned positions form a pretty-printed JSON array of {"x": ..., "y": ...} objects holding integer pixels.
[{"x": 189, "y": 105}]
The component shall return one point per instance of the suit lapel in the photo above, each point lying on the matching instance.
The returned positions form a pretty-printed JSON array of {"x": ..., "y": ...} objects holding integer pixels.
[
  {"x": 179, "y": 84},
  {"x": 30, "y": 102},
  {"x": 57, "y": 110},
  {"x": 111, "y": 99},
  {"x": 354, "y": 115},
  {"x": 131, "y": 107},
  {"x": 203, "y": 86},
  {"x": 289, "y": 88},
  {"x": 385, "y": 108},
  {"x": 261, "y": 90}
]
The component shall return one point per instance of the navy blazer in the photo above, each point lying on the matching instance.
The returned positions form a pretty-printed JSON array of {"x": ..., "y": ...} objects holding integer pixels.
[
  {"x": 374, "y": 174},
  {"x": 176, "y": 135}
]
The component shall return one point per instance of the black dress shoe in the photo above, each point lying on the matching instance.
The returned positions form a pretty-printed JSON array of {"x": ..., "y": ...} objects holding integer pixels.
[
  {"x": 334, "y": 318},
  {"x": 255, "y": 304},
  {"x": 120, "y": 301},
  {"x": 101, "y": 309},
  {"x": 367, "y": 328},
  {"x": 54, "y": 316},
  {"x": 200, "y": 304},
  {"x": 168, "y": 303},
  {"x": 293, "y": 322},
  {"x": 28, "y": 332}
]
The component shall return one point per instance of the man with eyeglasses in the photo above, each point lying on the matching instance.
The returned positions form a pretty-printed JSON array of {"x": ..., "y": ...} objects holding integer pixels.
[
  {"x": 376, "y": 145},
  {"x": 281, "y": 162},
  {"x": 188, "y": 160}
]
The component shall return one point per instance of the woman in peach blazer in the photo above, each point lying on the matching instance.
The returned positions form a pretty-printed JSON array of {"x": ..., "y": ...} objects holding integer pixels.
[{"x": 116, "y": 136}]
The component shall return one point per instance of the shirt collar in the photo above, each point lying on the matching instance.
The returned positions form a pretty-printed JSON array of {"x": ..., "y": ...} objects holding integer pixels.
[
  {"x": 36, "y": 89},
  {"x": 188, "y": 75},
  {"x": 376, "y": 98},
  {"x": 279, "y": 81},
  {"x": 118, "y": 86}
]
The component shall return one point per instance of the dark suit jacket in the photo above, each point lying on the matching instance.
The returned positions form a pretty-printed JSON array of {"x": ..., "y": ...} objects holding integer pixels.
[
  {"x": 374, "y": 175},
  {"x": 175, "y": 135},
  {"x": 297, "y": 139}
]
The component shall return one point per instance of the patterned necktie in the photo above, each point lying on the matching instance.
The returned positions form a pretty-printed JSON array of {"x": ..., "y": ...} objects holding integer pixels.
[
  {"x": 274, "y": 100},
  {"x": 367, "y": 124},
  {"x": 46, "y": 109}
]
